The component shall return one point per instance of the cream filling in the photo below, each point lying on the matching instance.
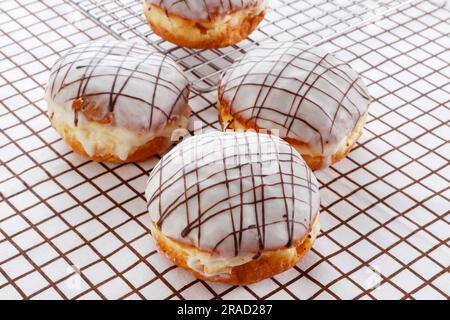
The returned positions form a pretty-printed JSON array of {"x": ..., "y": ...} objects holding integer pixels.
[
  {"x": 97, "y": 138},
  {"x": 216, "y": 266},
  {"x": 212, "y": 27}
]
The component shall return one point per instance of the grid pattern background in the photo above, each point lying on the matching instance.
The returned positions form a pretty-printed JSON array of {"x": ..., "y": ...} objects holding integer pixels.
[{"x": 75, "y": 229}]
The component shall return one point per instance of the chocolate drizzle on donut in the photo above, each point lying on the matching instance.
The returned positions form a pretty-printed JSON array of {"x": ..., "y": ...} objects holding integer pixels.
[
  {"x": 306, "y": 93},
  {"x": 233, "y": 193},
  {"x": 120, "y": 82}
]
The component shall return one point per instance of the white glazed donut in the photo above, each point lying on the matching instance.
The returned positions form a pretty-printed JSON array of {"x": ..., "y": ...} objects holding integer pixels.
[
  {"x": 233, "y": 207},
  {"x": 117, "y": 101},
  {"x": 308, "y": 96},
  {"x": 204, "y": 23}
]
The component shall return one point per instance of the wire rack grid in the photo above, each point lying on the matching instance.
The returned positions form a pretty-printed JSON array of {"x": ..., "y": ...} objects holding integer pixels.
[{"x": 76, "y": 229}]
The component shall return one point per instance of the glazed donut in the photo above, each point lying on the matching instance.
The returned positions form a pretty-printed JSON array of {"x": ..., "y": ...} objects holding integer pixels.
[
  {"x": 233, "y": 207},
  {"x": 309, "y": 97},
  {"x": 117, "y": 101},
  {"x": 204, "y": 23}
]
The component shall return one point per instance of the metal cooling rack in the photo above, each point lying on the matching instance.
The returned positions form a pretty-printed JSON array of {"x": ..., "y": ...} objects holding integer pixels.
[{"x": 311, "y": 22}]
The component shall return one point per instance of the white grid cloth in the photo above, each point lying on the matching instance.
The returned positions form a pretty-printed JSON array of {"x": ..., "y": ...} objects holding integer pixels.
[{"x": 75, "y": 229}]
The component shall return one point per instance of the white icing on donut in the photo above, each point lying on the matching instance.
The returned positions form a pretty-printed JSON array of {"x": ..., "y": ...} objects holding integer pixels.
[
  {"x": 205, "y": 9},
  {"x": 233, "y": 194},
  {"x": 305, "y": 93},
  {"x": 122, "y": 84}
]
